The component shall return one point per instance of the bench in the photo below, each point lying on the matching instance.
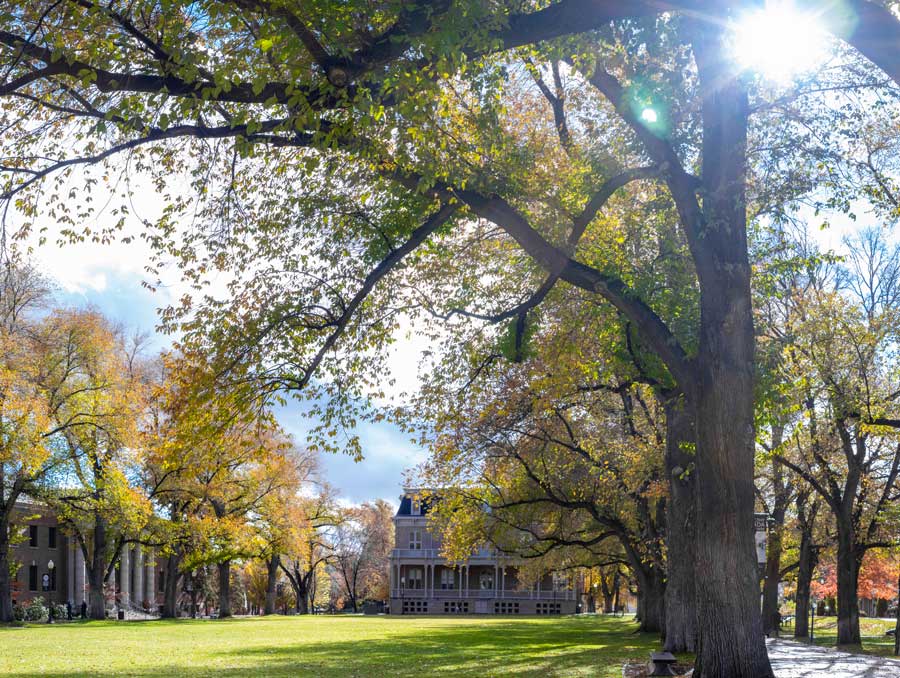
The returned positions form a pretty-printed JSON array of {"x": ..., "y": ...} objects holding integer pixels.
[{"x": 662, "y": 664}]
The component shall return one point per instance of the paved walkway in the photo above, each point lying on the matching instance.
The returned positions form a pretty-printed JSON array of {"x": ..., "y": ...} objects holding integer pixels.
[{"x": 796, "y": 660}]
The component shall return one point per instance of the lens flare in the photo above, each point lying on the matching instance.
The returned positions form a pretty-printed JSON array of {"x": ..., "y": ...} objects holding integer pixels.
[
  {"x": 779, "y": 41},
  {"x": 649, "y": 115}
]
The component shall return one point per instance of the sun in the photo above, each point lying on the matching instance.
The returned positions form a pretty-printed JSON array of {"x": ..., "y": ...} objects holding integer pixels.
[{"x": 779, "y": 41}]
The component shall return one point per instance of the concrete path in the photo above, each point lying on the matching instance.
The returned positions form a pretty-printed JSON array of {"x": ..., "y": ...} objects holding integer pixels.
[{"x": 796, "y": 660}]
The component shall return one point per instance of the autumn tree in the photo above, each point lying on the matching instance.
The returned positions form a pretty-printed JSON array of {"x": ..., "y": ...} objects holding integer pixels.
[
  {"x": 93, "y": 495},
  {"x": 26, "y": 425},
  {"x": 280, "y": 522},
  {"x": 405, "y": 102},
  {"x": 362, "y": 546},
  {"x": 305, "y": 563},
  {"x": 839, "y": 346}
]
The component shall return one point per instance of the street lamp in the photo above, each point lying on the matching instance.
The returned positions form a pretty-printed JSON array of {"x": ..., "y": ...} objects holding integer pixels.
[{"x": 50, "y": 566}]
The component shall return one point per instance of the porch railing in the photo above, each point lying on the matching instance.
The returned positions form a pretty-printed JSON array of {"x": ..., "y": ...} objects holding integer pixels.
[{"x": 476, "y": 594}]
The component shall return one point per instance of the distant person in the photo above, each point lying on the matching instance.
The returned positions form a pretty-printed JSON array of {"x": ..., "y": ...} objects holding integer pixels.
[
  {"x": 83, "y": 610},
  {"x": 69, "y": 610}
]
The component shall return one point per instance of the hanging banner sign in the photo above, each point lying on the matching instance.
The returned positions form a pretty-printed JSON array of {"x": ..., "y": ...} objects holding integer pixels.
[{"x": 761, "y": 526}]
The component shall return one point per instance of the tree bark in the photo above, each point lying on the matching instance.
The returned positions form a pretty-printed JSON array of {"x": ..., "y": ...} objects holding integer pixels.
[
  {"x": 224, "y": 589},
  {"x": 731, "y": 641},
  {"x": 97, "y": 571},
  {"x": 804, "y": 580},
  {"x": 6, "y": 610},
  {"x": 651, "y": 600},
  {"x": 681, "y": 609},
  {"x": 271, "y": 583},
  {"x": 170, "y": 586},
  {"x": 847, "y": 583},
  {"x": 770, "y": 615},
  {"x": 606, "y": 592}
]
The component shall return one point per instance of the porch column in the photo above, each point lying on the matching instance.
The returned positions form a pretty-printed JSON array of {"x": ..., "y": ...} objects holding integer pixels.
[
  {"x": 125, "y": 576},
  {"x": 503, "y": 582},
  {"x": 79, "y": 575},
  {"x": 70, "y": 572},
  {"x": 140, "y": 594},
  {"x": 496, "y": 578},
  {"x": 432, "y": 580},
  {"x": 151, "y": 580}
]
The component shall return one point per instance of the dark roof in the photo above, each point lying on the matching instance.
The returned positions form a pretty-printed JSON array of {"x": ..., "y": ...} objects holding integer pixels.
[{"x": 406, "y": 505}]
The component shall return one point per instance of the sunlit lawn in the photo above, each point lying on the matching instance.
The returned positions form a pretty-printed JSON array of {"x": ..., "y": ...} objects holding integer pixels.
[
  {"x": 344, "y": 646},
  {"x": 872, "y": 631}
]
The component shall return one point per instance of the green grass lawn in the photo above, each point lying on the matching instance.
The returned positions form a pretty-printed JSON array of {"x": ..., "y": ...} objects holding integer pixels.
[
  {"x": 346, "y": 646},
  {"x": 872, "y": 632}
]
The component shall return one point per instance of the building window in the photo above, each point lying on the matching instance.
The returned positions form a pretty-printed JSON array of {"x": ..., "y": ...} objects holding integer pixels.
[
  {"x": 33, "y": 537},
  {"x": 486, "y": 581},
  {"x": 415, "y": 579},
  {"x": 415, "y": 539},
  {"x": 51, "y": 536},
  {"x": 162, "y": 581},
  {"x": 417, "y": 507},
  {"x": 447, "y": 582},
  {"x": 32, "y": 578}
]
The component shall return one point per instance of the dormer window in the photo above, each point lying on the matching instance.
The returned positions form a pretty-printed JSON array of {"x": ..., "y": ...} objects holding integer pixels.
[{"x": 416, "y": 506}]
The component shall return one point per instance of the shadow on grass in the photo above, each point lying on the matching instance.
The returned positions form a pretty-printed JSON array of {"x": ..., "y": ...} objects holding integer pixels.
[{"x": 575, "y": 647}]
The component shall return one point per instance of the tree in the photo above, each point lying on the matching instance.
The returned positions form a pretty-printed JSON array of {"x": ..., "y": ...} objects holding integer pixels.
[
  {"x": 305, "y": 563},
  {"x": 280, "y": 520},
  {"x": 94, "y": 497},
  {"x": 363, "y": 543},
  {"x": 26, "y": 426},
  {"x": 840, "y": 341},
  {"x": 260, "y": 74}
]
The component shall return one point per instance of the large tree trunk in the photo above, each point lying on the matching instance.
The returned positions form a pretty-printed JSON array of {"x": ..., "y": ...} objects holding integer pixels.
[
  {"x": 681, "y": 610},
  {"x": 731, "y": 643},
  {"x": 651, "y": 599},
  {"x": 771, "y": 617},
  {"x": 97, "y": 571},
  {"x": 847, "y": 583},
  {"x": 170, "y": 586},
  {"x": 607, "y": 593},
  {"x": 224, "y": 589},
  {"x": 302, "y": 605},
  {"x": 271, "y": 583}
]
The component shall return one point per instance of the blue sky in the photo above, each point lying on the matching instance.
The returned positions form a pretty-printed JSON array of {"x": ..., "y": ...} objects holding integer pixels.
[{"x": 108, "y": 277}]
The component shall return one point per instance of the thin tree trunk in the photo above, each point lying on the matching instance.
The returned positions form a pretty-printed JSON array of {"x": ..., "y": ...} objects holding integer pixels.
[
  {"x": 731, "y": 642},
  {"x": 224, "y": 589},
  {"x": 770, "y": 614},
  {"x": 804, "y": 580},
  {"x": 6, "y": 610},
  {"x": 681, "y": 609},
  {"x": 847, "y": 584},
  {"x": 271, "y": 583},
  {"x": 897, "y": 622}
]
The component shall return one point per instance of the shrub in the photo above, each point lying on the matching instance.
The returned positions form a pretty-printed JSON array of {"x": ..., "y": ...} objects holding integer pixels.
[
  {"x": 18, "y": 613},
  {"x": 35, "y": 610}
]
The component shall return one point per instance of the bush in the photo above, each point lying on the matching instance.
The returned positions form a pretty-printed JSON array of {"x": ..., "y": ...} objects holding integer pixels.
[
  {"x": 18, "y": 613},
  {"x": 59, "y": 611},
  {"x": 35, "y": 610}
]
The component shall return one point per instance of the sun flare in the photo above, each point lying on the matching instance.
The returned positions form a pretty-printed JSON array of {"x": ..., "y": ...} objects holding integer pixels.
[{"x": 779, "y": 41}]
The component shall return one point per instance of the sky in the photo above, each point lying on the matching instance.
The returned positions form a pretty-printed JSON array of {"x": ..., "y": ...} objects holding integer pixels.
[{"x": 109, "y": 277}]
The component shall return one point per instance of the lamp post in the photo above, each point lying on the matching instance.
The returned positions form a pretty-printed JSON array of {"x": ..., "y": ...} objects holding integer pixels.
[{"x": 50, "y": 566}]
